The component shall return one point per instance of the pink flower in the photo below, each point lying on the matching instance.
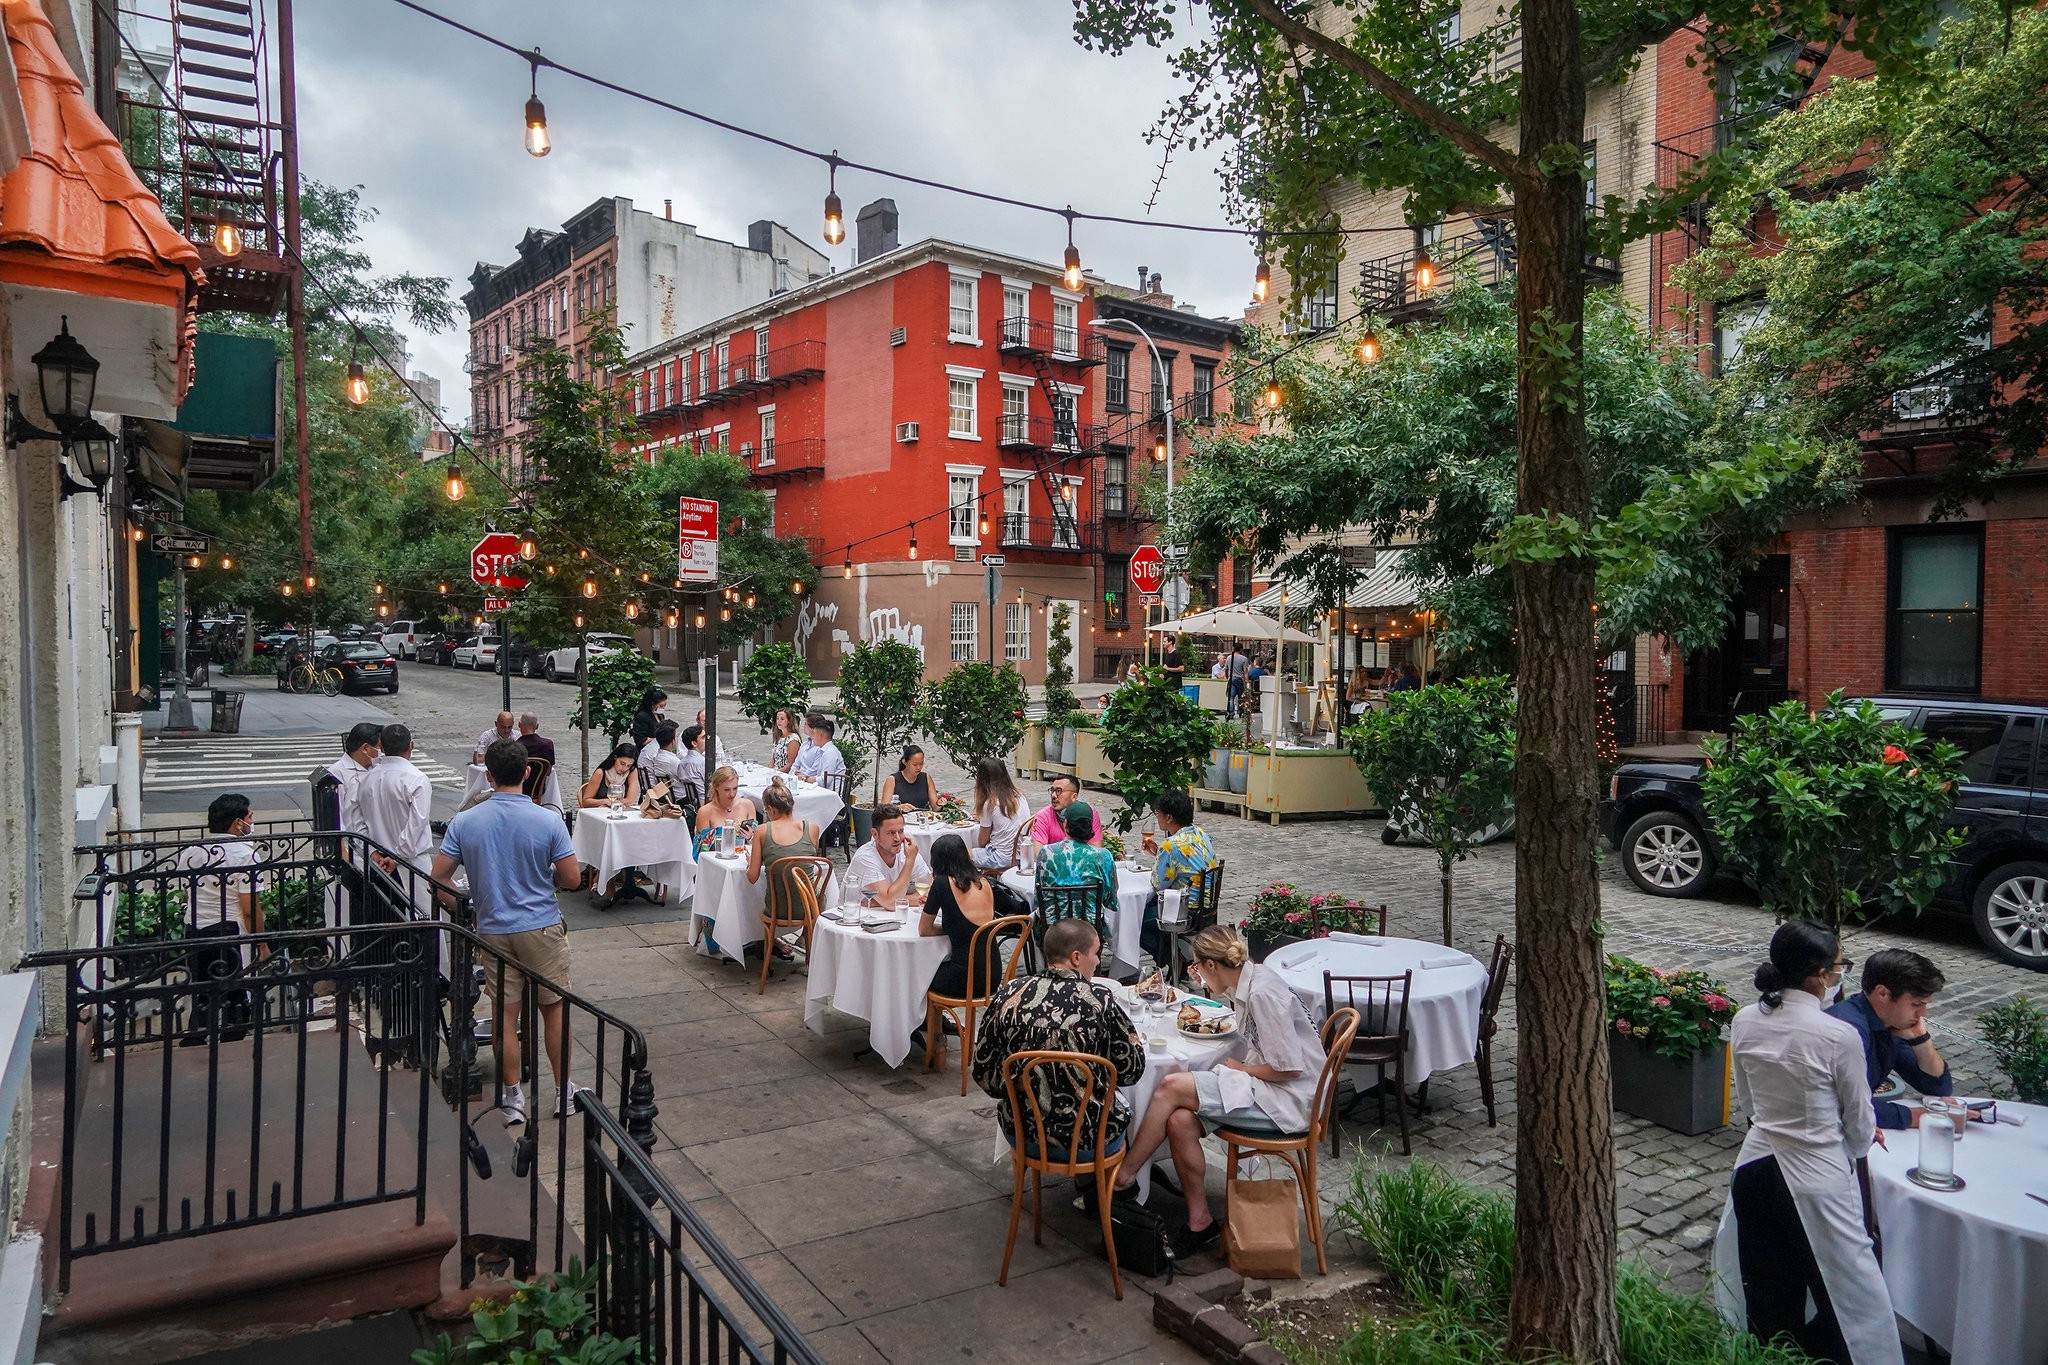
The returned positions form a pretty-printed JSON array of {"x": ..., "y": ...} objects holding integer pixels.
[
  {"x": 1716, "y": 1002},
  {"x": 1658, "y": 972},
  {"x": 1662, "y": 1002},
  {"x": 1317, "y": 900},
  {"x": 1294, "y": 917},
  {"x": 1622, "y": 1026}
]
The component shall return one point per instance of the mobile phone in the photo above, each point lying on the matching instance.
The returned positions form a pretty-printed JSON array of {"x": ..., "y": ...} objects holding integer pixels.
[{"x": 1983, "y": 1111}]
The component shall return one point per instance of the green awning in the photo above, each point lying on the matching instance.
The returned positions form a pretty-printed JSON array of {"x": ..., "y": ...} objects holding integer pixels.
[{"x": 233, "y": 412}]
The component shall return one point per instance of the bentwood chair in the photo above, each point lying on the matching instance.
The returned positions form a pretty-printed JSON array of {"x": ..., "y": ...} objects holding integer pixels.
[
  {"x": 1381, "y": 1038},
  {"x": 796, "y": 893},
  {"x": 1256, "y": 1137},
  {"x": 982, "y": 980},
  {"x": 1077, "y": 900},
  {"x": 1489, "y": 1007},
  {"x": 1031, "y": 1081},
  {"x": 1205, "y": 894}
]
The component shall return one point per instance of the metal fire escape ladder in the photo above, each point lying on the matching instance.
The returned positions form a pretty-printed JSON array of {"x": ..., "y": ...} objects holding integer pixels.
[
  {"x": 1066, "y": 443},
  {"x": 226, "y": 167}
]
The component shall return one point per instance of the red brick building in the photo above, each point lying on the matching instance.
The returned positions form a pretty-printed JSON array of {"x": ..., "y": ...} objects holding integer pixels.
[
  {"x": 1877, "y": 597},
  {"x": 939, "y": 384}
]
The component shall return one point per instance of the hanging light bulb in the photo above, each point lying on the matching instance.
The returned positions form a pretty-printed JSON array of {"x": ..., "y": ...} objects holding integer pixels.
[
  {"x": 1262, "y": 278},
  {"x": 454, "y": 487},
  {"x": 192, "y": 561},
  {"x": 227, "y": 239},
  {"x": 478, "y": 618},
  {"x": 646, "y": 578},
  {"x": 616, "y": 571},
  {"x": 537, "y": 143},
  {"x": 796, "y": 587},
  {"x": 1073, "y": 259},
  {"x": 135, "y": 534},
  {"x": 579, "y": 620},
  {"x": 358, "y": 386},
  {"x": 913, "y": 545},
  {"x": 1273, "y": 393},
  {"x": 529, "y": 548},
  {"x": 442, "y": 588},
  {"x": 227, "y": 561},
  {"x": 550, "y": 567},
  {"x": 1369, "y": 348},
  {"x": 835, "y": 217},
  {"x": 583, "y": 552},
  {"x": 982, "y": 526},
  {"x": 377, "y": 589},
  {"x": 846, "y": 571},
  {"x": 312, "y": 582},
  {"x": 589, "y": 587},
  {"x": 673, "y": 619},
  {"x": 632, "y": 609},
  {"x": 725, "y": 613},
  {"x": 286, "y": 588},
  {"x": 1159, "y": 451},
  {"x": 698, "y": 620},
  {"x": 1425, "y": 271},
  {"x": 383, "y": 608}
]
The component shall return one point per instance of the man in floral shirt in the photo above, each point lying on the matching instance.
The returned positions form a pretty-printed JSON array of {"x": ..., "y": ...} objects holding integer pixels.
[
  {"x": 1061, "y": 1011},
  {"x": 1183, "y": 850}
]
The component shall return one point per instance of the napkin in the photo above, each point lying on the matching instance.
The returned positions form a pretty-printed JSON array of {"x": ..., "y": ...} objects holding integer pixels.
[
  {"x": 1339, "y": 936},
  {"x": 1445, "y": 960}
]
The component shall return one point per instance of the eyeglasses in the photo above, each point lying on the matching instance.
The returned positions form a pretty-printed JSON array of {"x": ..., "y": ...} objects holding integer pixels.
[{"x": 1842, "y": 967}]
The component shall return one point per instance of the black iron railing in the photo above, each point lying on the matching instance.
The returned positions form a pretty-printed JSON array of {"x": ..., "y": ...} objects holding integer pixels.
[
  {"x": 1066, "y": 342},
  {"x": 1015, "y": 430}
]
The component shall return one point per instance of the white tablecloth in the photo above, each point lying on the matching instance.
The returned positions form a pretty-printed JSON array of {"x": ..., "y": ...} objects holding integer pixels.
[
  {"x": 880, "y": 977},
  {"x": 728, "y": 905},
  {"x": 924, "y": 835},
  {"x": 1443, "y": 1002},
  {"x": 1969, "y": 1268},
  {"x": 660, "y": 847},
  {"x": 480, "y": 780},
  {"x": 1133, "y": 889},
  {"x": 813, "y": 803}
]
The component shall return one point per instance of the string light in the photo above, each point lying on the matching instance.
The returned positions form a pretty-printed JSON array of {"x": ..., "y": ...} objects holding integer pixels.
[
  {"x": 135, "y": 534},
  {"x": 1159, "y": 451},
  {"x": 377, "y": 589},
  {"x": 358, "y": 386},
  {"x": 796, "y": 587},
  {"x": 227, "y": 561},
  {"x": 846, "y": 570},
  {"x": 579, "y": 620},
  {"x": 699, "y": 619},
  {"x": 725, "y": 613},
  {"x": 192, "y": 561},
  {"x": 537, "y": 143},
  {"x": 913, "y": 545},
  {"x": 673, "y": 619},
  {"x": 835, "y": 216},
  {"x": 632, "y": 609},
  {"x": 227, "y": 239},
  {"x": 1369, "y": 348},
  {"x": 442, "y": 588},
  {"x": 550, "y": 567},
  {"x": 589, "y": 586},
  {"x": 583, "y": 552},
  {"x": 529, "y": 548},
  {"x": 1262, "y": 278},
  {"x": 454, "y": 487},
  {"x": 646, "y": 577},
  {"x": 1273, "y": 392},
  {"x": 983, "y": 525},
  {"x": 312, "y": 582},
  {"x": 1073, "y": 259},
  {"x": 286, "y": 588},
  {"x": 1425, "y": 271}
]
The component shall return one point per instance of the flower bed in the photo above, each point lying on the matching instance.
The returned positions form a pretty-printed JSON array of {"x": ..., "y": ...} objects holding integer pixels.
[
  {"x": 1281, "y": 913},
  {"x": 1670, "y": 1064}
]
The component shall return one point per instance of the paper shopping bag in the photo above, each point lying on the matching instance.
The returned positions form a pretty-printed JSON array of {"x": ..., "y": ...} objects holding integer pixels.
[{"x": 1261, "y": 1235}]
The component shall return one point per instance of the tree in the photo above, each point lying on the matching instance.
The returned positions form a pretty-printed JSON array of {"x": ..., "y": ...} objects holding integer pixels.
[
  {"x": 763, "y": 570},
  {"x": 774, "y": 679},
  {"x": 1833, "y": 815},
  {"x": 976, "y": 711},
  {"x": 1887, "y": 279},
  {"x": 1441, "y": 759},
  {"x": 879, "y": 683},
  {"x": 1368, "y": 94},
  {"x": 1158, "y": 740},
  {"x": 1059, "y": 668},
  {"x": 614, "y": 686}
]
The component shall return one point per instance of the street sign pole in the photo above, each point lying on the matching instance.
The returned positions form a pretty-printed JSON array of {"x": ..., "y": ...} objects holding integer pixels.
[
  {"x": 179, "y": 717},
  {"x": 994, "y": 565},
  {"x": 505, "y": 661}
]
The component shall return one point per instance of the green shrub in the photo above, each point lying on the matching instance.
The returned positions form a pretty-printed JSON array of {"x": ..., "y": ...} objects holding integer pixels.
[
  {"x": 299, "y": 903},
  {"x": 774, "y": 679},
  {"x": 1679, "y": 1014},
  {"x": 879, "y": 686},
  {"x": 548, "y": 1321},
  {"x": 140, "y": 916},
  {"x": 2017, "y": 1034},
  {"x": 976, "y": 711},
  {"x": 1157, "y": 739},
  {"x": 616, "y": 682}
]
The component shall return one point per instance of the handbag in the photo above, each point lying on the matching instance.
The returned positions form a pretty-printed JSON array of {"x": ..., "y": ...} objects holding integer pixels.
[
  {"x": 1140, "y": 1236},
  {"x": 1261, "y": 1231}
]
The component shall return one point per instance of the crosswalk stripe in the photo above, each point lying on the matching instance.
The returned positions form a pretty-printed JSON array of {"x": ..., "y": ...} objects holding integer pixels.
[{"x": 186, "y": 765}]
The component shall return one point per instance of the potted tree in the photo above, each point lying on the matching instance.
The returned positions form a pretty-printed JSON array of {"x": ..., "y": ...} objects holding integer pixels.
[
  {"x": 1158, "y": 740},
  {"x": 1669, "y": 1058},
  {"x": 615, "y": 683},
  {"x": 774, "y": 679},
  {"x": 976, "y": 711},
  {"x": 1060, "y": 703},
  {"x": 880, "y": 684},
  {"x": 1442, "y": 758}
]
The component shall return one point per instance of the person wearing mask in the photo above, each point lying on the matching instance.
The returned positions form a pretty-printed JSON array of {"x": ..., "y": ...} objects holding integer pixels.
[
  {"x": 1274, "y": 1080},
  {"x": 781, "y": 835},
  {"x": 653, "y": 703},
  {"x": 501, "y": 728},
  {"x": 1181, "y": 851},
  {"x": 1048, "y": 827},
  {"x": 1793, "y": 1228},
  {"x": 1001, "y": 812},
  {"x": 1236, "y": 669},
  {"x": 961, "y": 901},
  {"x": 909, "y": 786},
  {"x": 886, "y": 869},
  {"x": 724, "y": 754},
  {"x": 785, "y": 737},
  {"x": 1890, "y": 1018},
  {"x": 358, "y": 756},
  {"x": 394, "y": 803},
  {"x": 820, "y": 759},
  {"x": 220, "y": 896},
  {"x": 517, "y": 856},
  {"x": 531, "y": 740}
]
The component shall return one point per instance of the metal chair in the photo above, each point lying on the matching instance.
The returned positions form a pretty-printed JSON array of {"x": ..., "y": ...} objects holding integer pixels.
[
  {"x": 981, "y": 967},
  {"x": 1205, "y": 894},
  {"x": 1381, "y": 1040},
  {"x": 796, "y": 893},
  {"x": 1489, "y": 1006},
  {"x": 1299, "y": 1149},
  {"x": 1086, "y": 1076},
  {"x": 840, "y": 832},
  {"x": 1078, "y": 900}
]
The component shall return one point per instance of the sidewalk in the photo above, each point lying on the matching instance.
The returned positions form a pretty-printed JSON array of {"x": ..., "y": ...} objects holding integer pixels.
[{"x": 268, "y": 711}]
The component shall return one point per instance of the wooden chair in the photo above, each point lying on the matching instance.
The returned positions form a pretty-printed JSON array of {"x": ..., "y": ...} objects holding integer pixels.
[
  {"x": 1489, "y": 1006},
  {"x": 1205, "y": 894},
  {"x": 1381, "y": 1038},
  {"x": 1077, "y": 900},
  {"x": 535, "y": 783},
  {"x": 1298, "y": 1150},
  {"x": 1086, "y": 1076},
  {"x": 796, "y": 892},
  {"x": 981, "y": 963}
]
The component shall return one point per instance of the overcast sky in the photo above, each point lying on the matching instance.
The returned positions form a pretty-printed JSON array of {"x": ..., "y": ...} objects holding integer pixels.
[{"x": 989, "y": 93}]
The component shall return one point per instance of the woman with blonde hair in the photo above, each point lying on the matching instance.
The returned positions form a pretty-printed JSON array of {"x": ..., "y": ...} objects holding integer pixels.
[
  {"x": 723, "y": 805},
  {"x": 1273, "y": 1081},
  {"x": 781, "y": 835}
]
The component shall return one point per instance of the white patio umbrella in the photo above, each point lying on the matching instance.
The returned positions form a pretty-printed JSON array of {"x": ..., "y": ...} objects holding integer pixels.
[{"x": 1234, "y": 622}]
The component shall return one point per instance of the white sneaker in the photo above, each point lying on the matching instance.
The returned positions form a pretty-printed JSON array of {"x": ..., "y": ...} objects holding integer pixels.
[
  {"x": 513, "y": 1106},
  {"x": 565, "y": 1106}
]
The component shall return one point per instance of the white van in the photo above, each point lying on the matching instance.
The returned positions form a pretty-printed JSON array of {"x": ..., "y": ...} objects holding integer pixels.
[{"x": 401, "y": 639}]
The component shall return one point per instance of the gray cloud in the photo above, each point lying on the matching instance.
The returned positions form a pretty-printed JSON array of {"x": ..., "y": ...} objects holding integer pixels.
[{"x": 994, "y": 94}]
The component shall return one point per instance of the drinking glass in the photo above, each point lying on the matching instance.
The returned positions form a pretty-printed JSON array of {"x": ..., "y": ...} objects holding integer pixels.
[{"x": 618, "y": 806}]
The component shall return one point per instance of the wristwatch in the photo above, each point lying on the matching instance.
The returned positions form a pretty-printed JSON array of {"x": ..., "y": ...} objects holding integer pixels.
[{"x": 1915, "y": 1042}]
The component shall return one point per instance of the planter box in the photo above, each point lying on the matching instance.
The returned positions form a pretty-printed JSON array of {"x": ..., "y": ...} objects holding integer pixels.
[
  {"x": 1263, "y": 945},
  {"x": 1049, "y": 743},
  {"x": 1091, "y": 764},
  {"x": 1030, "y": 750},
  {"x": 1237, "y": 771},
  {"x": 1217, "y": 776},
  {"x": 1687, "y": 1097},
  {"x": 1306, "y": 782},
  {"x": 1069, "y": 740}
]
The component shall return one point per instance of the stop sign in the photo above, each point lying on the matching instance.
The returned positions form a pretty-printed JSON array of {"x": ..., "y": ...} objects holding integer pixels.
[
  {"x": 495, "y": 563},
  {"x": 1148, "y": 570}
]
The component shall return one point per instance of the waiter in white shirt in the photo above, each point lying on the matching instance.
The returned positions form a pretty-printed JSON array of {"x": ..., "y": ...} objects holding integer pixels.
[
  {"x": 884, "y": 870},
  {"x": 358, "y": 753},
  {"x": 393, "y": 802},
  {"x": 502, "y": 729},
  {"x": 1793, "y": 1228}
]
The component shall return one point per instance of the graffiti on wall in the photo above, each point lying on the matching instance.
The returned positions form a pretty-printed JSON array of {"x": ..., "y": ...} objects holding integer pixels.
[{"x": 809, "y": 616}]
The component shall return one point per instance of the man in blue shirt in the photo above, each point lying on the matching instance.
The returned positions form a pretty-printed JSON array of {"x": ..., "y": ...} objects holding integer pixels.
[
  {"x": 1890, "y": 1015},
  {"x": 516, "y": 854}
]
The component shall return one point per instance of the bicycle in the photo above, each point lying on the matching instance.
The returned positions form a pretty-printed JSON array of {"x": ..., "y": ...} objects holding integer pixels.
[{"x": 322, "y": 678}]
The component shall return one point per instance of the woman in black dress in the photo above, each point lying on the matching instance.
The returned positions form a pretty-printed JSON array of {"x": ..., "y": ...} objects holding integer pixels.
[
  {"x": 962, "y": 899},
  {"x": 652, "y": 704},
  {"x": 910, "y": 786}
]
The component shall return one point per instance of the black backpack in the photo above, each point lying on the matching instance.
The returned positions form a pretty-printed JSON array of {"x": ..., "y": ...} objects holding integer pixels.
[{"x": 1141, "y": 1239}]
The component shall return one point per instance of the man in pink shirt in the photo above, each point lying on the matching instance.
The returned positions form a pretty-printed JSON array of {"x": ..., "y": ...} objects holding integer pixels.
[{"x": 1046, "y": 827}]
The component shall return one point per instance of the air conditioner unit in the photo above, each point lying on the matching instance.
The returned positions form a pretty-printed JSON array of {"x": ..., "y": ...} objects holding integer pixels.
[
  {"x": 747, "y": 451},
  {"x": 966, "y": 554},
  {"x": 898, "y": 337},
  {"x": 906, "y": 433}
]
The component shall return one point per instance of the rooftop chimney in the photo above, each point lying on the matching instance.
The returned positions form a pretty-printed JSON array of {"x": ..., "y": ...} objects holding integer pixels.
[
  {"x": 1154, "y": 288},
  {"x": 874, "y": 230},
  {"x": 1143, "y": 275},
  {"x": 668, "y": 209}
]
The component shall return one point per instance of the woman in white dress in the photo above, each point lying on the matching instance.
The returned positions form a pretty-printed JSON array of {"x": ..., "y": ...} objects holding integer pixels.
[
  {"x": 1793, "y": 1229},
  {"x": 1000, "y": 812}
]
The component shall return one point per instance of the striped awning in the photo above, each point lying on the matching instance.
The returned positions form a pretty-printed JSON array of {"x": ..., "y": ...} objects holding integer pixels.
[{"x": 1384, "y": 588}]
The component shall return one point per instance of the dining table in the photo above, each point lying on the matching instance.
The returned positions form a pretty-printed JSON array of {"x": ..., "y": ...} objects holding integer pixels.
[
  {"x": 1126, "y": 918},
  {"x": 479, "y": 781},
  {"x": 1964, "y": 1265},
  {"x": 818, "y": 805},
  {"x": 874, "y": 965},
  {"x": 924, "y": 830},
  {"x": 612, "y": 841},
  {"x": 726, "y": 910},
  {"x": 1444, "y": 993}
]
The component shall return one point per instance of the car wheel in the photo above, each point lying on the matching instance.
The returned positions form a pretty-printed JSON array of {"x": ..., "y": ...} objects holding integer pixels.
[
  {"x": 1665, "y": 854},
  {"x": 548, "y": 671},
  {"x": 2011, "y": 911}
]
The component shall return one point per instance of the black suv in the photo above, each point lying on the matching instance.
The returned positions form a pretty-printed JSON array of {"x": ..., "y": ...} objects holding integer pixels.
[{"x": 1653, "y": 818}]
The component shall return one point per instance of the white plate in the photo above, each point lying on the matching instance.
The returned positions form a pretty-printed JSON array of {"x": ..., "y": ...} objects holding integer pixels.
[{"x": 1195, "y": 1033}]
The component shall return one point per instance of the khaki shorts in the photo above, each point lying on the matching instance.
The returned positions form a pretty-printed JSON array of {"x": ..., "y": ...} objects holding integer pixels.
[{"x": 544, "y": 952}]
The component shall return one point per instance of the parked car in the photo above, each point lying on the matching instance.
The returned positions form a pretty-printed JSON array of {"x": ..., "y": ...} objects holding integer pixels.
[
  {"x": 275, "y": 642},
  {"x": 478, "y": 652},
  {"x": 364, "y": 665},
  {"x": 1654, "y": 819},
  {"x": 439, "y": 649},
  {"x": 529, "y": 660},
  {"x": 402, "y": 639},
  {"x": 561, "y": 665}
]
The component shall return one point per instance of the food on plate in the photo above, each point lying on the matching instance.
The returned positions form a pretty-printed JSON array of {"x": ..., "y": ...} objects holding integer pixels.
[{"x": 1192, "y": 1020}]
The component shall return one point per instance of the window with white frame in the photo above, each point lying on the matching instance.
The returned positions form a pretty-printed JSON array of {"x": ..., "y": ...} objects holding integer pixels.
[
  {"x": 1066, "y": 527},
  {"x": 760, "y": 353},
  {"x": 1016, "y": 315},
  {"x": 724, "y": 362},
  {"x": 965, "y": 633},
  {"x": 960, "y": 319},
  {"x": 767, "y": 436},
  {"x": 704, "y": 373},
  {"x": 960, "y": 417},
  {"x": 1116, "y": 391},
  {"x": 1017, "y": 631},
  {"x": 1066, "y": 326},
  {"x": 962, "y": 503},
  {"x": 1017, "y": 509},
  {"x": 1016, "y": 414},
  {"x": 1065, "y": 431}
]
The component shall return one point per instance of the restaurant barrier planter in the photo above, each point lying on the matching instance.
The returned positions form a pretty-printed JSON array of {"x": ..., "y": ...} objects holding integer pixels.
[
  {"x": 1217, "y": 777},
  {"x": 1238, "y": 775},
  {"x": 1069, "y": 745},
  {"x": 1091, "y": 761},
  {"x": 1030, "y": 749},
  {"x": 1689, "y": 1097},
  {"x": 1262, "y": 945},
  {"x": 1306, "y": 782},
  {"x": 1050, "y": 743}
]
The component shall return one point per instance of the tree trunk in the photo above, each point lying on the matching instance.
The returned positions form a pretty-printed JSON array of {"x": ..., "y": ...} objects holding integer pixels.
[
  {"x": 1445, "y": 871},
  {"x": 1563, "y": 1302}
]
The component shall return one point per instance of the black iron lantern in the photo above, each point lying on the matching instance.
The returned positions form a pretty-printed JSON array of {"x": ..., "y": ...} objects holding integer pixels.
[{"x": 68, "y": 374}]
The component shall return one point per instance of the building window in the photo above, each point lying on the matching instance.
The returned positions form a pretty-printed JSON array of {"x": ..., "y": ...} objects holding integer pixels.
[
  {"x": 1016, "y": 631},
  {"x": 768, "y": 437},
  {"x": 1116, "y": 384},
  {"x": 724, "y": 362},
  {"x": 960, "y": 419},
  {"x": 760, "y": 353},
  {"x": 1936, "y": 637},
  {"x": 1205, "y": 390},
  {"x": 960, "y": 320},
  {"x": 1240, "y": 578},
  {"x": 962, "y": 498},
  {"x": 1066, "y": 529},
  {"x": 1017, "y": 510},
  {"x": 1115, "y": 476},
  {"x": 966, "y": 631},
  {"x": 1016, "y": 414},
  {"x": 1732, "y": 323},
  {"x": 1958, "y": 389},
  {"x": 1116, "y": 592},
  {"x": 1319, "y": 306},
  {"x": 1066, "y": 326},
  {"x": 1065, "y": 425},
  {"x": 1016, "y": 315}
]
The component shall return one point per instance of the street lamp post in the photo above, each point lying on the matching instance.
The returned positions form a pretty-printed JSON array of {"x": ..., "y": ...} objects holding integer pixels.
[{"x": 1166, "y": 387}]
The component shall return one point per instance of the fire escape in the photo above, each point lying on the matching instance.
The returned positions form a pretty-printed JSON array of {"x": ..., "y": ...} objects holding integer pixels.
[{"x": 1058, "y": 440}]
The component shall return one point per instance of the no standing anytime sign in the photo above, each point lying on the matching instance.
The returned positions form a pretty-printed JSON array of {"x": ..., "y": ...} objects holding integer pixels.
[{"x": 697, "y": 541}]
